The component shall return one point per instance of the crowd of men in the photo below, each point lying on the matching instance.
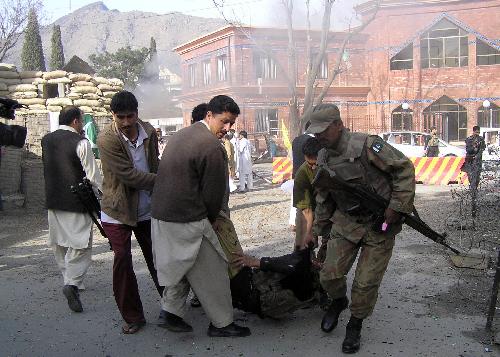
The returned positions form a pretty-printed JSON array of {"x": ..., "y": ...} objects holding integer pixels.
[{"x": 177, "y": 207}]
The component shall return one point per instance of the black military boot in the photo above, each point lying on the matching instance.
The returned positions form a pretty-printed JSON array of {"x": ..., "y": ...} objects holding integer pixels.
[
  {"x": 352, "y": 335},
  {"x": 331, "y": 318}
]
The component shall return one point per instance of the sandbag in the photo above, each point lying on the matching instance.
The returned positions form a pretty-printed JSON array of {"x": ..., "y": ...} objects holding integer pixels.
[
  {"x": 91, "y": 96},
  {"x": 39, "y": 81},
  {"x": 108, "y": 94},
  {"x": 37, "y": 107},
  {"x": 4, "y": 93},
  {"x": 105, "y": 87},
  {"x": 28, "y": 80},
  {"x": 24, "y": 95},
  {"x": 59, "y": 101},
  {"x": 101, "y": 80},
  {"x": 86, "y": 109},
  {"x": 117, "y": 88},
  {"x": 84, "y": 84},
  {"x": 8, "y": 74},
  {"x": 106, "y": 101},
  {"x": 10, "y": 81},
  {"x": 73, "y": 95},
  {"x": 65, "y": 80},
  {"x": 87, "y": 103},
  {"x": 23, "y": 88},
  {"x": 54, "y": 74},
  {"x": 32, "y": 101},
  {"x": 54, "y": 108},
  {"x": 3, "y": 87},
  {"x": 77, "y": 77},
  {"x": 30, "y": 74},
  {"x": 8, "y": 67},
  {"x": 85, "y": 90},
  {"x": 116, "y": 82},
  {"x": 99, "y": 110}
]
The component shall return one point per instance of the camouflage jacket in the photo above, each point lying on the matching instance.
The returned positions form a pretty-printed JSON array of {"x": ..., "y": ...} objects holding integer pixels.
[{"x": 365, "y": 160}]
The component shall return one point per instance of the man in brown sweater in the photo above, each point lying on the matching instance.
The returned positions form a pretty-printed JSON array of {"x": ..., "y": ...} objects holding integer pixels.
[
  {"x": 187, "y": 198},
  {"x": 129, "y": 156}
]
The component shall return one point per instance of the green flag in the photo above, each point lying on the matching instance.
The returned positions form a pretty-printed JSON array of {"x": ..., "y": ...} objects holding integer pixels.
[{"x": 91, "y": 133}]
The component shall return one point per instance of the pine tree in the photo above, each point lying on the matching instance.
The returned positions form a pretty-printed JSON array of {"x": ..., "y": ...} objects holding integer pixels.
[
  {"x": 32, "y": 55},
  {"x": 152, "y": 49},
  {"x": 57, "y": 54}
]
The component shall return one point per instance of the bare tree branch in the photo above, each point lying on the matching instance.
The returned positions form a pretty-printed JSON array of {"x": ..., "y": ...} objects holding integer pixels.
[{"x": 13, "y": 20}]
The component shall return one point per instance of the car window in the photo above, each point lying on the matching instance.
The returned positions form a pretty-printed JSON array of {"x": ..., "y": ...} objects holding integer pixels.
[
  {"x": 420, "y": 139},
  {"x": 401, "y": 138}
]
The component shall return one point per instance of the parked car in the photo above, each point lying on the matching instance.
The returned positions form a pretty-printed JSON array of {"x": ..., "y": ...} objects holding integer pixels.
[
  {"x": 492, "y": 139},
  {"x": 412, "y": 143}
]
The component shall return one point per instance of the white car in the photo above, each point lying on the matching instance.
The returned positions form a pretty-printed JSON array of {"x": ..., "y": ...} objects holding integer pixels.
[
  {"x": 412, "y": 143},
  {"x": 492, "y": 139}
]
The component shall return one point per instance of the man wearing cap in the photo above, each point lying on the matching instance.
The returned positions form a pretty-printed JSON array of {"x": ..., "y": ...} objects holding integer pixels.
[{"x": 368, "y": 161}]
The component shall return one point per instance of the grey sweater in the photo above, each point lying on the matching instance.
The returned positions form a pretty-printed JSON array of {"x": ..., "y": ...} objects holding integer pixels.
[{"x": 192, "y": 176}]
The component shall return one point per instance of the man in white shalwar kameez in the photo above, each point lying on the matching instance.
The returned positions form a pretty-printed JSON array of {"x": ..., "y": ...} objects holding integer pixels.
[
  {"x": 68, "y": 158},
  {"x": 245, "y": 162}
]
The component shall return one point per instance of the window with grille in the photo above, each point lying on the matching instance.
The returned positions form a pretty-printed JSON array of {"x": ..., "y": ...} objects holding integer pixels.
[
  {"x": 266, "y": 121},
  {"x": 207, "y": 73},
  {"x": 265, "y": 67},
  {"x": 489, "y": 117},
  {"x": 404, "y": 59},
  {"x": 486, "y": 55},
  {"x": 449, "y": 117},
  {"x": 192, "y": 75},
  {"x": 444, "y": 45},
  {"x": 222, "y": 68},
  {"x": 402, "y": 119}
]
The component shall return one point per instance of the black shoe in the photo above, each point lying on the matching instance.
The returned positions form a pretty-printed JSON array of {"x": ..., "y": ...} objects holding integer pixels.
[
  {"x": 352, "y": 335},
  {"x": 173, "y": 322},
  {"x": 195, "y": 302},
  {"x": 331, "y": 318},
  {"x": 231, "y": 330},
  {"x": 73, "y": 296}
]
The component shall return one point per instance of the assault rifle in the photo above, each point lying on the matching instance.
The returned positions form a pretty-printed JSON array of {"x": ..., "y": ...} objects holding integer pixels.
[
  {"x": 376, "y": 205},
  {"x": 86, "y": 196}
]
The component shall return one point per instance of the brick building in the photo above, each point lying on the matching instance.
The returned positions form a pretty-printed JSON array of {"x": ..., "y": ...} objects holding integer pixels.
[{"x": 417, "y": 64}]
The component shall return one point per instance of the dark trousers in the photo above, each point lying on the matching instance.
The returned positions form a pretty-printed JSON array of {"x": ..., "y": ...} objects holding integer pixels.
[{"x": 125, "y": 286}]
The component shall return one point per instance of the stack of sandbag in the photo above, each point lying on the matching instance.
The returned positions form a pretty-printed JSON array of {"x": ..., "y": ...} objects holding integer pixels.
[
  {"x": 8, "y": 76},
  {"x": 56, "y": 104},
  {"x": 109, "y": 88},
  {"x": 84, "y": 92},
  {"x": 27, "y": 94}
]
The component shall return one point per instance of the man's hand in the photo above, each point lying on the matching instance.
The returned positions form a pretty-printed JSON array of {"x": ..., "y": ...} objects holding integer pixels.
[
  {"x": 391, "y": 216},
  {"x": 308, "y": 239},
  {"x": 241, "y": 260}
]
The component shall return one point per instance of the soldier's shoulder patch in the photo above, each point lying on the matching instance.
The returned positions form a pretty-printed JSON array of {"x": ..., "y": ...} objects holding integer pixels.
[{"x": 377, "y": 146}]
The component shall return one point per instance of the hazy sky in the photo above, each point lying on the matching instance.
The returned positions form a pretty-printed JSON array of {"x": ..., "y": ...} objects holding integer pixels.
[{"x": 256, "y": 12}]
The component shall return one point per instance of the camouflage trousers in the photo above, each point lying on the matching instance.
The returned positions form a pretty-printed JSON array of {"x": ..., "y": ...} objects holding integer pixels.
[{"x": 375, "y": 253}]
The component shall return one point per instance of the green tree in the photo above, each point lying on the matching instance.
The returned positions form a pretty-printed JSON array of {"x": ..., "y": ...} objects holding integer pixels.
[
  {"x": 57, "y": 54},
  {"x": 126, "y": 64},
  {"x": 32, "y": 57},
  {"x": 152, "y": 49}
]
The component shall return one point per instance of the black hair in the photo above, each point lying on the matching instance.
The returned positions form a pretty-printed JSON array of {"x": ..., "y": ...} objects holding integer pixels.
[
  {"x": 311, "y": 147},
  {"x": 124, "y": 101},
  {"x": 476, "y": 128},
  {"x": 68, "y": 114},
  {"x": 222, "y": 103},
  {"x": 199, "y": 112},
  {"x": 244, "y": 134}
]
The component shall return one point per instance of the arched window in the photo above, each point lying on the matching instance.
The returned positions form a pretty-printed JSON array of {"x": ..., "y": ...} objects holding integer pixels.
[
  {"x": 444, "y": 45},
  {"x": 449, "y": 117},
  {"x": 402, "y": 119},
  {"x": 489, "y": 117}
]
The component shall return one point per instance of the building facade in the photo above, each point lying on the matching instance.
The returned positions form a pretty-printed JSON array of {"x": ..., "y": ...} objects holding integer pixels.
[{"x": 417, "y": 65}]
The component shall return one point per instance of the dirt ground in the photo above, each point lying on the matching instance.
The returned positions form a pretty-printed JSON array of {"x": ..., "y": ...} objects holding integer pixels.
[{"x": 426, "y": 307}]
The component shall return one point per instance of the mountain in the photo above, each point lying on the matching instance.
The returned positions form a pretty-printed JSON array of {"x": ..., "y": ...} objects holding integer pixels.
[{"x": 95, "y": 28}]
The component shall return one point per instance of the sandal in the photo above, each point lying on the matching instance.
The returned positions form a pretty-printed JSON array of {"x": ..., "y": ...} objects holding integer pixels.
[{"x": 129, "y": 329}]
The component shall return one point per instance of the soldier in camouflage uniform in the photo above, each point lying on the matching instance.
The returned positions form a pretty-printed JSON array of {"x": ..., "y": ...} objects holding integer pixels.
[{"x": 365, "y": 160}]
